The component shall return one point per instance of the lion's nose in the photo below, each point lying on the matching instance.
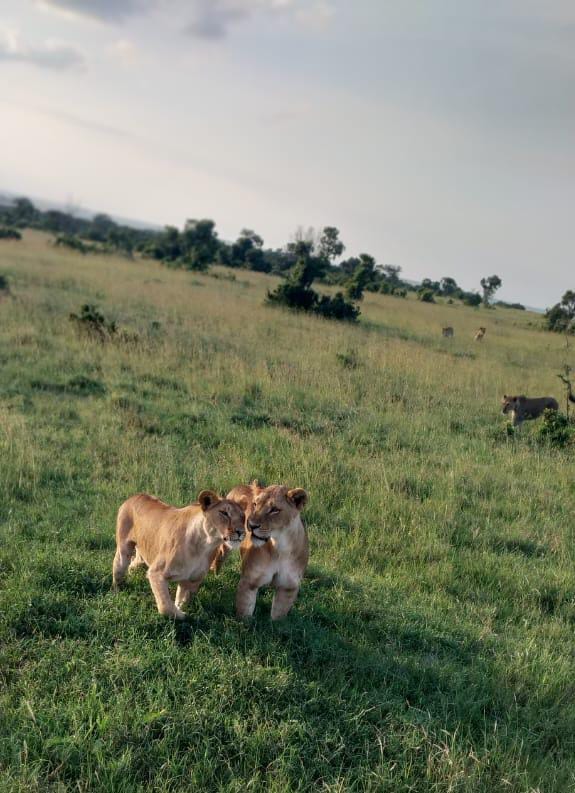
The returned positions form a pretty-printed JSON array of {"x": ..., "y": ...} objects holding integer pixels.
[{"x": 253, "y": 526}]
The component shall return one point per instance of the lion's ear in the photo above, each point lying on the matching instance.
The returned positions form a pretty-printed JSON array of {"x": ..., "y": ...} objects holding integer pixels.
[
  {"x": 504, "y": 396},
  {"x": 298, "y": 497},
  {"x": 207, "y": 499}
]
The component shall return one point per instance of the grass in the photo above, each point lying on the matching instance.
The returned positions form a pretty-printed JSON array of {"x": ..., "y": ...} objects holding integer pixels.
[{"x": 432, "y": 645}]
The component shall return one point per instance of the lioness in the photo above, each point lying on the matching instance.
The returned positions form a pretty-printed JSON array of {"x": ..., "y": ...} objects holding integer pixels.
[
  {"x": 275, "y": 550},
  {"x": 523, "y": 409},
  {"x": 177, "y": 544},
  {"x": 480, "y": 334},
  {"x": 448, "y": 332}
]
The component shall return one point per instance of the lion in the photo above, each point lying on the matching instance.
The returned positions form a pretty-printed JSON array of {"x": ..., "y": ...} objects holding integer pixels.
[
  {"x": 275, "y": 550},
  {"x": 177, "y": 544},
  {"x": 480, "y": 334},
  {"x": 448, "y": 332},
  {"x": 523, "y": 408}
]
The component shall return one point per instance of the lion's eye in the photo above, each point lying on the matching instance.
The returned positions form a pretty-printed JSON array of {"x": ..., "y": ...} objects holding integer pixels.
[
  {"x": 223, "y": 513},
  {"x": 274, "y": 511}
]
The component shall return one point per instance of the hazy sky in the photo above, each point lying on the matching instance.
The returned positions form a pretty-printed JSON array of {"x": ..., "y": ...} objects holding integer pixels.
[{"x": 438, "y": 135}]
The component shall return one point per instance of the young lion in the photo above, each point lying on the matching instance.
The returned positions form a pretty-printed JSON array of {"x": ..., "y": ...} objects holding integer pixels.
[
  {"x": 523, "y": 408},
  {"x": 275, "y": 551},
  {"x": 177, "y": 544}
]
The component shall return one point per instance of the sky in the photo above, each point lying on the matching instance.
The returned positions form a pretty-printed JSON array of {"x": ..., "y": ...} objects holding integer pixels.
[{"x": 437, "y": 135}]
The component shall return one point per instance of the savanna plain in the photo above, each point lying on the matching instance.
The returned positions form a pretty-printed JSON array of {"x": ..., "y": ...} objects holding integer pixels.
[{"x": 432, "y": 646}]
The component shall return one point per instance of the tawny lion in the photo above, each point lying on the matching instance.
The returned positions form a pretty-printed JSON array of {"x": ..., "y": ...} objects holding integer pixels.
[
  {"x": 480, "y": 334},
  {"x": 275, "y": 551},
  {"x": 522, "y": 408},
  {"x": 177, "y": 544}
]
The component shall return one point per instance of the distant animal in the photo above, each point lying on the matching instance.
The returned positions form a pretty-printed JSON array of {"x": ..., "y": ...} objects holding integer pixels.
[
  {"x": 177, "y": 544},
  {"x": 448, "y": 332},
  {"x": 275, "y": 551},
  {"x": 480, "y": 334},
  {"x": 522, "y": 408}
]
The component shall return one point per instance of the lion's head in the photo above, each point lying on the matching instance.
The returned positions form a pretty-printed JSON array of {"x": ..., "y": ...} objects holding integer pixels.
[
  {"x": 273, "y": 510},
  {"x": 510, "y": 403},
  {"x": 223, "y": 518}
]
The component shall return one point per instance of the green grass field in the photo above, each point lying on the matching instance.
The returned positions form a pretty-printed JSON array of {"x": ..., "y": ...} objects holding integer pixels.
[{"x": 432, "y": 647}]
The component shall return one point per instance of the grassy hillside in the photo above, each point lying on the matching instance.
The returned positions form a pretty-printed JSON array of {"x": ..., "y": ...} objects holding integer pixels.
[{"x": 432, "y": 645}]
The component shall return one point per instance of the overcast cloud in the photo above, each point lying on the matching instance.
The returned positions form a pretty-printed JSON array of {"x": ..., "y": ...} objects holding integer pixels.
[
  {"x": 437, "y": 136},
  {"x": 48, "y": 54}
]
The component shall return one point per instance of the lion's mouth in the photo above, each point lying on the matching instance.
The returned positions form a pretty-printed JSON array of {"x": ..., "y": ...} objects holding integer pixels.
[{"x": 258, "y": 537}]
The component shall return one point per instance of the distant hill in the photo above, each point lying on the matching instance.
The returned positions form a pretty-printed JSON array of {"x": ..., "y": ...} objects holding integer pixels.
[{"x": 7, "y": 197}]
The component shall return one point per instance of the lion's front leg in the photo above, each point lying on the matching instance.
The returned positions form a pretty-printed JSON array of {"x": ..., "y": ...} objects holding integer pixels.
[
  {"x": 246, "y": 597},
  {"x": 185, "y": 590},
  {"x": 284, "y": 598}
]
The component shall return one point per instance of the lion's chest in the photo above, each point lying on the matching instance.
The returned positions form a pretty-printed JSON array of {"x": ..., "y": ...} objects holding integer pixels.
[{"x": 282, "y": 573}]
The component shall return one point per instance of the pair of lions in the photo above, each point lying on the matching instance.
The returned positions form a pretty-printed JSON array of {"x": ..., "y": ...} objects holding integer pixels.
[
  {"x": 180, "y": 545},
  {"x": 448, "y": 333}
]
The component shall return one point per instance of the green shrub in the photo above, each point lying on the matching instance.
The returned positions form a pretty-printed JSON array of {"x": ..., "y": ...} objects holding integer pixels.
[
  {"x": 8, "y": 233},
  {"x": 337, "y": 308},
  {"x": 426, "y": 296},
  {"x": 90, "y": 321},
  {"x": 556, "y": 429}
]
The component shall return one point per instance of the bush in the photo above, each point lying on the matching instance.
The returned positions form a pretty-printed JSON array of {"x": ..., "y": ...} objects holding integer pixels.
[
  {"x": 337, "y": 308},
  {"x": 302, "y": 298},
  {"x": 7, "y": 233},
  {"x": 294, "y": 296},
  {"x": 92, "y": 323},
  {"x": 558, "y": 320},
  {"x": 503, "y": 304},
  {"x": 73, "y": 243},
  {"x": 426, "y": 296},
  {"x": 349, "y": 359},
  {"x": 471, "y": 299},
  {"x": 556, "y": 429}
]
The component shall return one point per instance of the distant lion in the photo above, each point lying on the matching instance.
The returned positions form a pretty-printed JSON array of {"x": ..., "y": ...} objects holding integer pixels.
[
  {"x": 523, "y": 408},
  {"x": 447, "y": 333},
  {"x": 480, "y": 334},
  {"x": 177, "y": 544}
]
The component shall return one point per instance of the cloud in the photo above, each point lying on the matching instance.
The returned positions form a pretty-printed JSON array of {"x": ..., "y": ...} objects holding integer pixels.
[
  {"x": 208, "y": 19},
  {"x": 212, "y": 18},
  {"x": 49, "y": 55},
  {"x": 105, "y": 10}
]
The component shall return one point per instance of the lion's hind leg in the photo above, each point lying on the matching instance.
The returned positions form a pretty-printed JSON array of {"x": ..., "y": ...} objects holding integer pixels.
[
  {"x": 137, "y": 561},
  {"x": 125, "y": 545}
]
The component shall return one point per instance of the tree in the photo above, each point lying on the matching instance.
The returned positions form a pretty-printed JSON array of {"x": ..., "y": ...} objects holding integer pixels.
[
  {"x": 448, "y": 287},
  {"x": 390, "y": 273},
  {"x": 199, "y": 242},
  {"x": 247, "y": 252},
  {"x": 101, "y": 227},
  {"x": 490, "y": 285},
  {"x": 361, "y": 278},
  {"x": 330, "y": 247},
  {"x": 471, "y": 299},
  {"x": 296, "y": 292},
  {"x": 561, "y": 317},
  {"x": 25, "y": 212}
]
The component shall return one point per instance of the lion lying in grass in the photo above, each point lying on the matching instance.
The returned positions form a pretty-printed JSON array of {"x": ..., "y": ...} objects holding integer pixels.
[
  {"x": 177, "y": 544},
  {"x": 522, "y": 408}
]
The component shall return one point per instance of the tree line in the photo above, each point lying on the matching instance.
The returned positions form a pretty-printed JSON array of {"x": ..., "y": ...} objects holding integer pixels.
[{"x": 310, "y": 257}]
